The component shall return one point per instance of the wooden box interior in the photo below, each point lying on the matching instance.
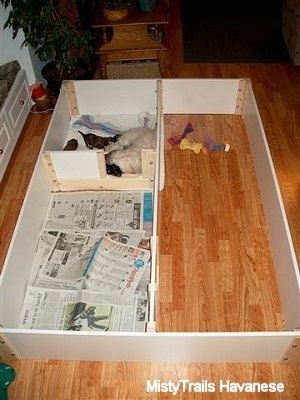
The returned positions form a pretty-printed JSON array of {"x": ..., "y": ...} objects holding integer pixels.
[{"x": 239, "y": 318}]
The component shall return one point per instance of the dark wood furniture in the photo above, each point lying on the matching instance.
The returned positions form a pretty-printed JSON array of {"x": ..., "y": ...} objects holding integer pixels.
[{"x": 139, "y": 36}]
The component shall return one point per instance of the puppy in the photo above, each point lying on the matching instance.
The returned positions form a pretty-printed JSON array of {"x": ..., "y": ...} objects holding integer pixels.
[
  {"x": 71, "y": 145},
  {"x": 93, "y": 141}
]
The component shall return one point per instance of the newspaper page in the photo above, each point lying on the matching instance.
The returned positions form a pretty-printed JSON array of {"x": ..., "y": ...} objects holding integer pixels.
[
  {"x": 117, "y": 210},
  {"x": 63, "y": 256},
  {"x": 82, "y": 311},
  {"x": 94, "y": 249},
  {"x": 116, "y": 268}
]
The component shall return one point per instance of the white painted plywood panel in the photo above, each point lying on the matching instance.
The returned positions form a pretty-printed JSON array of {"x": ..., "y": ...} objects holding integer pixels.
[
  {"x": 201, "y": 96},
  {"x": 152, "y": 347},
  {"x": 75, "y": 164},
  {"x": 284, "y": 257},
  {"x": 118, "y": 96}
]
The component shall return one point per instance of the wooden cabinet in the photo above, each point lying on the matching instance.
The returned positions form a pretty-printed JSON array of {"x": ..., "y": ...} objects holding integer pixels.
[
  {"x": 12, "y": 118},
  {"x": 139, "y": 36}
]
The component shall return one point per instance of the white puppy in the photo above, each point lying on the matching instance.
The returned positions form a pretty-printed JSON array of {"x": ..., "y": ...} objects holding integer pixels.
[{"x": 126, "y": 151}]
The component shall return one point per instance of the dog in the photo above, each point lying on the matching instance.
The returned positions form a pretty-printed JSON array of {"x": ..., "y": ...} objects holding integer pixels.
[
  {"x": 125, "y": 152},
  {"x": 71, "y": 145},
  {"x": 93, "y": 141}
]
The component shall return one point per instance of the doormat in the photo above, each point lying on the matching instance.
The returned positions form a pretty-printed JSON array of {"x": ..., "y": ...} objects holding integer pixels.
[
  {"x": 232, "y": 31},
  {"x": 133, "y": 70}
]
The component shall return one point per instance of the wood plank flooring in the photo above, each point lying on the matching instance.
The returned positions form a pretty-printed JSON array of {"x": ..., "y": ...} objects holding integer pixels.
[
  {"x": 16, "y": 179},
  {"x": 79, "y": 380},
  {"x": 216, "y": 268},
  {"x": 277, "y": 90}
]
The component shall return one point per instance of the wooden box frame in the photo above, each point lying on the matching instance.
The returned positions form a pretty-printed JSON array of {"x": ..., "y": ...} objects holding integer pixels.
[{"x": 166, "y": 96}]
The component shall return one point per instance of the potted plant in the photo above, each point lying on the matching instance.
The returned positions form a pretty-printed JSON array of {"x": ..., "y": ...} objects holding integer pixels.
[
  {"x": 56, "y": 33},
  {"x": 115, "y": 10}
]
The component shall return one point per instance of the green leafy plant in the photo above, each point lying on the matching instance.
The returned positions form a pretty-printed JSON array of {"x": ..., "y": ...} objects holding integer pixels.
[{"x": 53, "y": 29}]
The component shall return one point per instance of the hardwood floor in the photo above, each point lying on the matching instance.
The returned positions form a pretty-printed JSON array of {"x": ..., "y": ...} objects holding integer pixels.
[
  {"x": 216, "y": 268},
  {"x": 16, "y": 179},
  {"x": 277, "y": 90}
]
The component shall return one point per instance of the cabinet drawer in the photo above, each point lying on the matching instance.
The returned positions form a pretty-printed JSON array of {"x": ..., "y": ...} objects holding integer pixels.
[
  {"x": 18, "y": 104},
  {"x": 6, "y": 144}
]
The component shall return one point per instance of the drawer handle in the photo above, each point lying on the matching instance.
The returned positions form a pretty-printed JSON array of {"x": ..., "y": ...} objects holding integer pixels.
[{"x": 21, "y": 102}]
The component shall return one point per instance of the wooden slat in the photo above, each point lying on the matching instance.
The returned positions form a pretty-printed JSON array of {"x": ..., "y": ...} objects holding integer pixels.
[
  {"x": 50, "y": 170},
  {"x": 70, "y": 89},
  {"x": 292, "y": 354},
  {"x": 241, "y": 97},
  {"x": 5, "y": 350}
]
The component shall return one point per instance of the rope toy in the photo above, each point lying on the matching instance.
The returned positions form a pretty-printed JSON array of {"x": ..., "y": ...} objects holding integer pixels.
[
  {"x": 178, "y": 138},
  {"x": 211, "y": 145},
  {"x": 196, "y": 147}
]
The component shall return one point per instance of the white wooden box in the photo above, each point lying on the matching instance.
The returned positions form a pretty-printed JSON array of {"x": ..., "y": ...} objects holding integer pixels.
[
  {"x": 85, "y": 168},
  {"x": 166, "y": 96}
]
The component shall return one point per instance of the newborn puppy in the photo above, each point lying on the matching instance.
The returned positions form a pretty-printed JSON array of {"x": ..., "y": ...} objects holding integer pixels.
[
  {"x": 71, "y": 145},
  {"x": 93, "y": 141}
]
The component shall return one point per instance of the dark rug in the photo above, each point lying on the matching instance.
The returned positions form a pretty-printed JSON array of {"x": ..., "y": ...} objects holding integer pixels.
[{"x": 233, "y": 31}]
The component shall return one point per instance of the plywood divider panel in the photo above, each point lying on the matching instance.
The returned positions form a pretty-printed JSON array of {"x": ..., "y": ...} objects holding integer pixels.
[
  {"x": 116, "y": 96},
  {"x": 57, "y": 132},
  {"x": 19, "y": 260},
  {"x": 158, "y": 184},
  {"x": 204, "y": 96},
  {"x": 153, "y": 347},
  {"x": 84, "y": 170},
  {"x": 288, "y": 276}
]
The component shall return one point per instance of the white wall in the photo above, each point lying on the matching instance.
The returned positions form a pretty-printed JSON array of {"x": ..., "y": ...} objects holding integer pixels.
[{"x": 10, "y": 49}]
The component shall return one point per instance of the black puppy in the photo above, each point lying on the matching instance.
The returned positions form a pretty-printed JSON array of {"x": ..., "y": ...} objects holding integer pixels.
[
  {"x": 93, "y": 141},
  {"x": 71, "y": 145}
]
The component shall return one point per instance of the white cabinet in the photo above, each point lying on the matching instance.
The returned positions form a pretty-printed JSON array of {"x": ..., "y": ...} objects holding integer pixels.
[
  {"x": 13, "y": 115},
  {"x": 6, "y": 143}
]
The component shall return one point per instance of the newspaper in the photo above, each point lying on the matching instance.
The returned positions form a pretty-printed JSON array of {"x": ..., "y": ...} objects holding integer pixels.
[
  {"x": 115, "y": 267},
  {"x": 93, "y": 250},
  {"x": 82, "y": 311},
  {"x": 118, "y": 210},
  {"x": 63, "y": 257}
]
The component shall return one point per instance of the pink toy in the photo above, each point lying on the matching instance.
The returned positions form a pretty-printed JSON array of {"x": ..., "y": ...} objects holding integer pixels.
[{"x": 178, "y": 138}]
